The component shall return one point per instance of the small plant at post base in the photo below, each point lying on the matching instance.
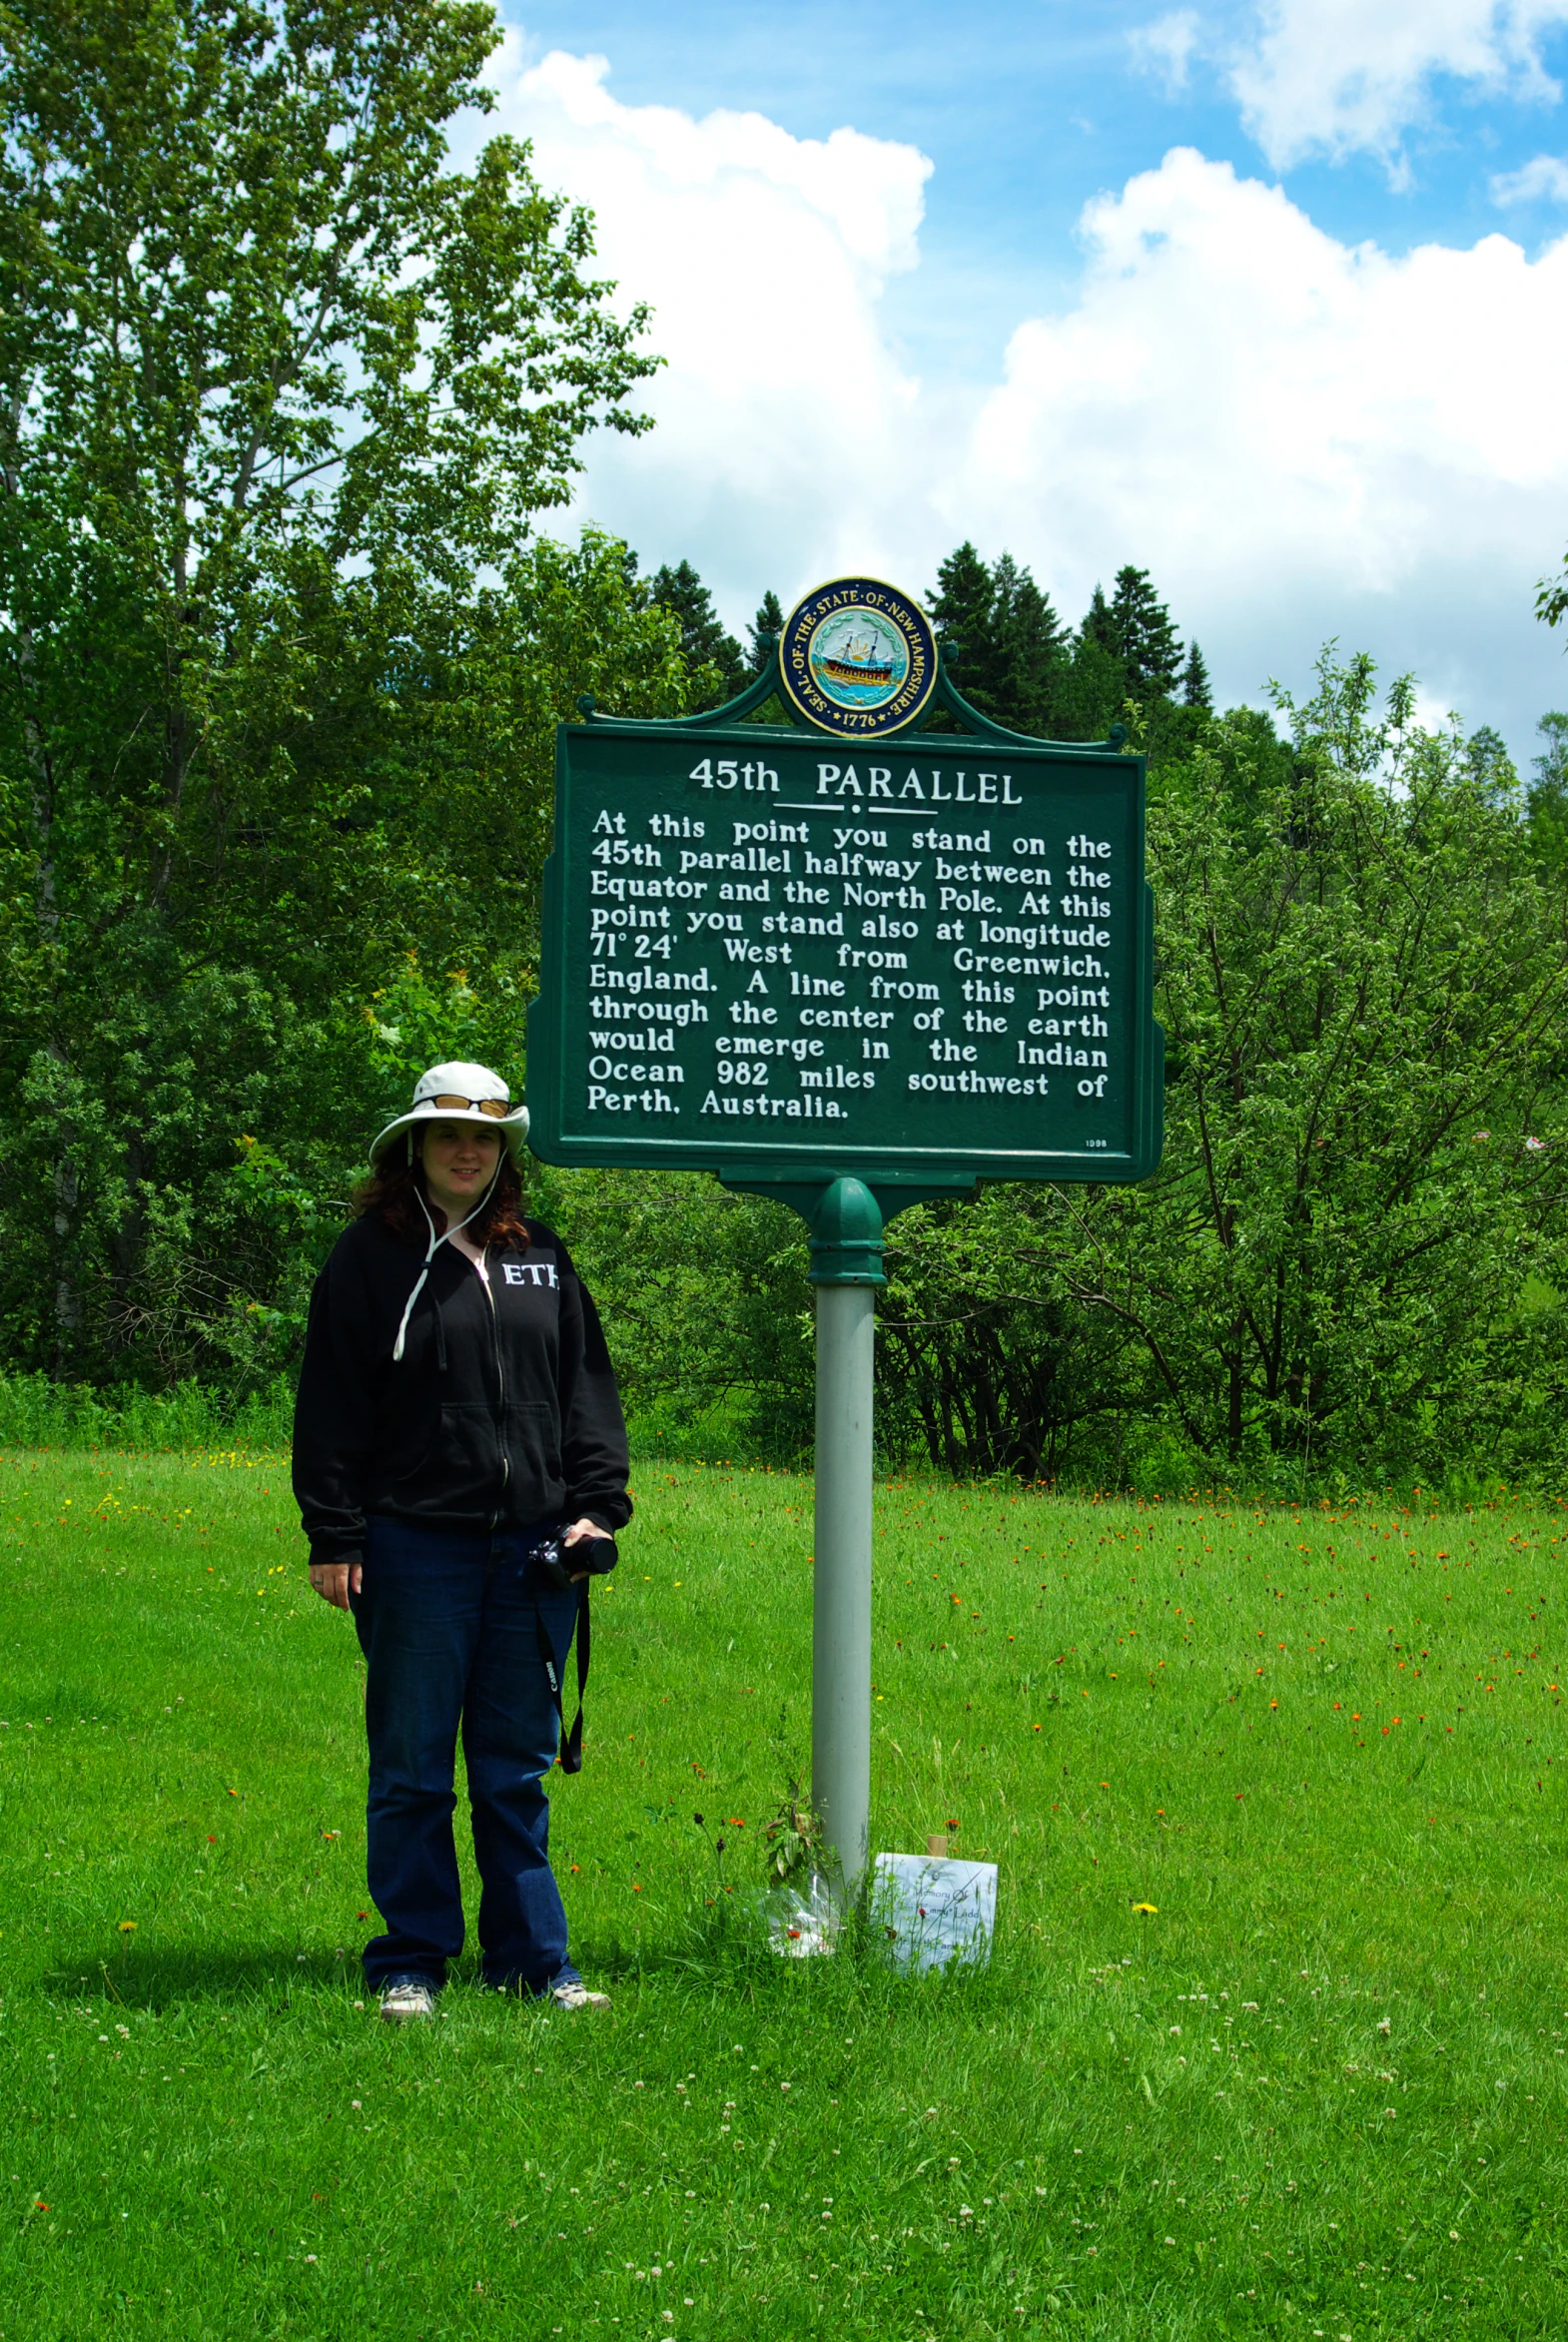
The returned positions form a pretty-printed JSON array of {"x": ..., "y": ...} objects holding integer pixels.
[{"x": 795, "y": 1839}]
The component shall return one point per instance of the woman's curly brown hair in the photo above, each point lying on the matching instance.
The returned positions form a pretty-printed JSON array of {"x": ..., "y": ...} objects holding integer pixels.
[{"x": 390, "y": 1195}]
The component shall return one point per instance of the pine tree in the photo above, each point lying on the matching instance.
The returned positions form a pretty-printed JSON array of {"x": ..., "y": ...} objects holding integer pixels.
[
  {"x": 1093, "y": 691},
  {"x": 1030, "y": 643},
  {"x": 1090, "y": 685},
  {"x": 703, "y": 639},
  {"x": 1099, "y": 625},
  {"x": 1195, "y": 682},
  {"x": 768, "y": 622},
  {"x": 1002, "y": 638},
  {"x": 1144, "y": 639},
  {"x": 963, "y": 610}
]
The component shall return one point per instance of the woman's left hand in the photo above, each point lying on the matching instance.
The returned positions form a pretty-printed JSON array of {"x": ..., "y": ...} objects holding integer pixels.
[{"x": 574, "y": 1536}]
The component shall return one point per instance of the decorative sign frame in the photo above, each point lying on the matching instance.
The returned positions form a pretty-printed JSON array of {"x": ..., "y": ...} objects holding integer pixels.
[{"x": 785, "y": 954}]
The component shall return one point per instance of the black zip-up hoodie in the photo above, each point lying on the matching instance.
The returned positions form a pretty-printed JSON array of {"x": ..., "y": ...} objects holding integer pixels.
[{"x": 502, "y": 1412}]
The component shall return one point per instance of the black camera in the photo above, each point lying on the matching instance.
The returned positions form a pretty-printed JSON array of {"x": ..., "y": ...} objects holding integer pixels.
[{"x": 560, "y": 1563}]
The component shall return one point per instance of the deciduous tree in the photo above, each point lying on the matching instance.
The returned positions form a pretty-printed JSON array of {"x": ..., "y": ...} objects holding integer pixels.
[
  {"x": 276, "y": 384},
  {"x": 1363, "y": 988}
]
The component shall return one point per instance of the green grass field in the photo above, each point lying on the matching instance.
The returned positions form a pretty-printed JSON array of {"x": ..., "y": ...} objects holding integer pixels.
[{"x": 1321, "y": 2090}]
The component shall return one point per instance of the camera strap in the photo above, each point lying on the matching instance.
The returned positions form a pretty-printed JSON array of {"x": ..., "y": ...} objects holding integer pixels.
[{"x": 571, "y": 1759}]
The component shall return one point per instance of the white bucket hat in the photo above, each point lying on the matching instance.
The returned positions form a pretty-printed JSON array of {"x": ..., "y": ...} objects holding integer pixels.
[{"x": 460, "y": 1093}]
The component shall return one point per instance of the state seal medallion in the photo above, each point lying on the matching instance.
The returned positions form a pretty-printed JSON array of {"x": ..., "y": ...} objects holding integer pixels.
[{"x": 858, "y": 658}]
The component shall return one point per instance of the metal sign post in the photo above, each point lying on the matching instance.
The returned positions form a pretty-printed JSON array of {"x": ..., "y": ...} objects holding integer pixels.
[
  {"x": 855, "y": 965},
  {"x": 841, "y": 1579}
]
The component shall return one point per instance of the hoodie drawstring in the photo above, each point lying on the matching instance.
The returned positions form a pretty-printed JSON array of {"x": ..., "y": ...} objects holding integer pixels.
[{"x": 431, "y": 1249}]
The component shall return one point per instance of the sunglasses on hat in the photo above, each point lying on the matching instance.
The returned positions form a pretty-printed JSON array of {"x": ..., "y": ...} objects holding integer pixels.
[{"x": 444, "y": 1104}]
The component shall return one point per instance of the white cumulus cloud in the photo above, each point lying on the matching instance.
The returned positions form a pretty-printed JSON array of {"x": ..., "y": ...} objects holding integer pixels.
[
  {"x": 1337, "y": 76},
  {"x": 1299, "y": 438},
  {"x": 782, "y": 407}
]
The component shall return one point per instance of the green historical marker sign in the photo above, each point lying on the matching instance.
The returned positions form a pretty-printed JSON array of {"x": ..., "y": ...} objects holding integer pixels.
[
  {"x": 857, "y": 964},
  {"x": 772, "y": 952}
]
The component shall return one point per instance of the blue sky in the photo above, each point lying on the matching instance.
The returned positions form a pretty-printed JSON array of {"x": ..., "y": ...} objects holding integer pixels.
[{"x": 939, "y": 285}]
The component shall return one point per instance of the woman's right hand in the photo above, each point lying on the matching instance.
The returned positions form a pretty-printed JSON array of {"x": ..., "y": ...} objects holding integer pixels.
[{"x": 334, "y": 1581}]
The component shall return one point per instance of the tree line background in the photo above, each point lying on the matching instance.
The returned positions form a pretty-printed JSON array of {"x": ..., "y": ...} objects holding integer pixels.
[{"x": 284, "y": 396}]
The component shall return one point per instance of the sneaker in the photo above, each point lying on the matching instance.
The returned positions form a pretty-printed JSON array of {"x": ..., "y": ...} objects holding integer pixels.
[
  {"x": 407, "y": 1997},
  {"x": 577, "y": 1996}
]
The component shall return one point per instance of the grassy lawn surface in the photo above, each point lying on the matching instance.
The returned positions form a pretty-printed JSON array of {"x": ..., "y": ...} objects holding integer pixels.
[{"x": 1319, "y": 2089}]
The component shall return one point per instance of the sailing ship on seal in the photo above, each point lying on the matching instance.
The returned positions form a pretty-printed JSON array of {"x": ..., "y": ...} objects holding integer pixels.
[{"x": 858, "y": 663}]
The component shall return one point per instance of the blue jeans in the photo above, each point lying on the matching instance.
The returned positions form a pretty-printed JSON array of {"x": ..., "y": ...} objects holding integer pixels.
[{"x": 448, "y": 1628}]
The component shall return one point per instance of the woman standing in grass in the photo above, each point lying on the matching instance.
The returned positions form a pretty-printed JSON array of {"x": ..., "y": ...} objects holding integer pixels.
[{"x": 456, "y": 1411}]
